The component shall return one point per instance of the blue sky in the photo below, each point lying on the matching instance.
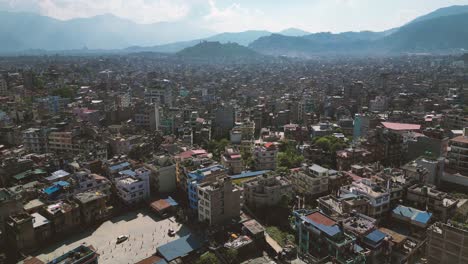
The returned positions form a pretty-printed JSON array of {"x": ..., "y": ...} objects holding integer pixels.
[{"x": 239, "y": 15}]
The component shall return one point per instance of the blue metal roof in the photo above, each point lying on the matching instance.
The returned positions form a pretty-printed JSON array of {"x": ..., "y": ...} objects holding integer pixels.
[
  {"x": 419, "y": 216},
  {"x": 180, "y": 247},
  {"x": 171, "y": 201},
  {"x": 423, "y": 217},
  {"x": 119, "y": 166},
  {"x": 248, "y": 174},
  {"x": 56, "y": 187},
  {"x": 127, "y": 172},
  {"x": 376, "y": 236}
]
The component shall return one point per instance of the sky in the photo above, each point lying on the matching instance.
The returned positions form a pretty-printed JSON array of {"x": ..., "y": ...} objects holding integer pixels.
[{"x": 240, "y": 15}]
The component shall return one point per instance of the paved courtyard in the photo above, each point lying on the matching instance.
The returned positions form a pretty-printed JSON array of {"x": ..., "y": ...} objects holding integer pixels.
[{"x": 146, "y": 232}]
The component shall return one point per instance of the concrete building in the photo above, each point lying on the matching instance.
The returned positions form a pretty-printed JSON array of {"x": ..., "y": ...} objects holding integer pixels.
[
  {"x": 266, "y": 190},
  {"x": 83, "y": 254},
  {"x": 350, "y": 156},
  {"x": 379, "y": 104},
  {"x": 64, "y": 216},
  {"x": 3, "y": 87},
  {"x": 379, "y": 197},
  {"x": 10, "y": 204},
  {"x": 458, "y": 154},
  {"x": 426, "y": 197},
  {"x": 265, "y": 156},
  {"x": 148, "y": 116},
  {"x": 62, "y": 142},
  {"x": 322, "y": 129},
  {"x": 412, "y": 217},
  {"x": 232, "y": 160},
  {"x": 93, "y": 207},
  {"x": 224, "y": 120},
  {"x": 36, "y": 140},
  {"x": 218, "y": 201},
  {"x": 341, "y": 207},
  {"x": 26, "y": 231},
  {"x": 86, "y": 181},
  {"x": 321, "y": 239},
  {"x": 133, "y": 186},
  {"x": 310, "y": 180},
  {"x": 195, "y": 178},
  {"x": 447, "y": 243}
]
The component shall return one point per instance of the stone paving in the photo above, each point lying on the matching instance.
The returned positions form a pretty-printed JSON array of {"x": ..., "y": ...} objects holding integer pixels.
[{"x": 146, "y": 232}]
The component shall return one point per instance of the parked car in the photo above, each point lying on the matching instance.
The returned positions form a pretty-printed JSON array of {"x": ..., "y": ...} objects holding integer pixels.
[{"x": 121, "y": 238}]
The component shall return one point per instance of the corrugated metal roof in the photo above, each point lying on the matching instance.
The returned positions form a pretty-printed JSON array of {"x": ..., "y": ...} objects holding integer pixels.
[
  {"x": 248, "y": 174},
  {"x": 180, "y": 247},
  {"x": 376, "y": 236}
]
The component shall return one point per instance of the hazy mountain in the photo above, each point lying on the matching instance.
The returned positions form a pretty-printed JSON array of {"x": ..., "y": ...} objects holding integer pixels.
[
  {"x": 243, "y": 38},
  {"x": 445, "y": 11},
  {"x": 293, "y": 32},
  {"x": 441, "y": 33},
  {"x": 21, "y": 31},
  {"x": 218, "y": 51}
]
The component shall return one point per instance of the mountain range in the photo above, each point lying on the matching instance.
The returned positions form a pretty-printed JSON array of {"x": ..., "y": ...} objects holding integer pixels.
[{"x": 443, "y": 30}]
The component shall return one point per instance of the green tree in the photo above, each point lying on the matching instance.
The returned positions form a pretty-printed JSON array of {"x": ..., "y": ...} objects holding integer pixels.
[
  {"x": 231, "y": 255},
  {"x": 208, "y": 258}
]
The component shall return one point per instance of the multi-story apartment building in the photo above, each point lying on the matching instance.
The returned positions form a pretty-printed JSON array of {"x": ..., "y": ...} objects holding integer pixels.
[
  {"x": 3, "y": 87},
  {"x": 64, "y": 216},
  {"x": 458, "y": 154},
  {"x": 428, "y": 198},
  {"x": 267, "y": 190},
  {"x": 86, "y": 181},
  {"x": 218, "y": 201},
  {"x": 36, "y": 140},
  {"x": 340, "y": 207},
  {"x": 379, "y": 197},
  {"x": 93, "y": 207},
  {"x": 133, "y": 186},
  {"x": 265, "y": 156},
  {"x": 200, "y": 176},
  {"x": 232, "y": 160},
  {"x": 62, "y": 142},
  {"x": 321, "y": 239},
  {"x": 310, "y": 180},
  {"x": 350, "y": 156},
  {"x": 447, "y": 243}
]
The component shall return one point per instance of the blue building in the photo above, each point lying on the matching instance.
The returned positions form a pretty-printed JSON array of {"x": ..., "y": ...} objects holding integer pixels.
[{"x": 197, "y": 177}]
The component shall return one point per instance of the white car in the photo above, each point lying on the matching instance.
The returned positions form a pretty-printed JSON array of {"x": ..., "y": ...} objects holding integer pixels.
[{"x": 121, "y": 238}]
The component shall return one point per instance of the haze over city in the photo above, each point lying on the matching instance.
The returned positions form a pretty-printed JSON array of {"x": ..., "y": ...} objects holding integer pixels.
[{"x": 233, "y": 132}]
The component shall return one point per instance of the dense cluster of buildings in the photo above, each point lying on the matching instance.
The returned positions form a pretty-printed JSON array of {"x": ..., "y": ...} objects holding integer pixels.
[{"x": 369, "y": 158}]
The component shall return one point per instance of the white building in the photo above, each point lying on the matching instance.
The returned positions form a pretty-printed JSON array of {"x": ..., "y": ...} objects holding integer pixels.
[
  {"x": 379, "y": 104},
  {"x": 86, "y": 181},
  {"x": 379, "y": 197},
  {"x": 133, "y": 186}
]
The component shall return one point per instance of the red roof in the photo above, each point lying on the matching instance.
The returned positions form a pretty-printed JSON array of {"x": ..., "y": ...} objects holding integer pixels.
[
  {"x": 268, "y": 145},
  {"x": 319, "y": 218},
  {"x": 401, "y": 126}
]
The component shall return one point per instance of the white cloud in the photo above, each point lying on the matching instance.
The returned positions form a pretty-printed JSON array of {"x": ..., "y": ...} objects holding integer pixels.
[
  {"x": 141, "y": 11},
  {"x": 235, "y": 18}
]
